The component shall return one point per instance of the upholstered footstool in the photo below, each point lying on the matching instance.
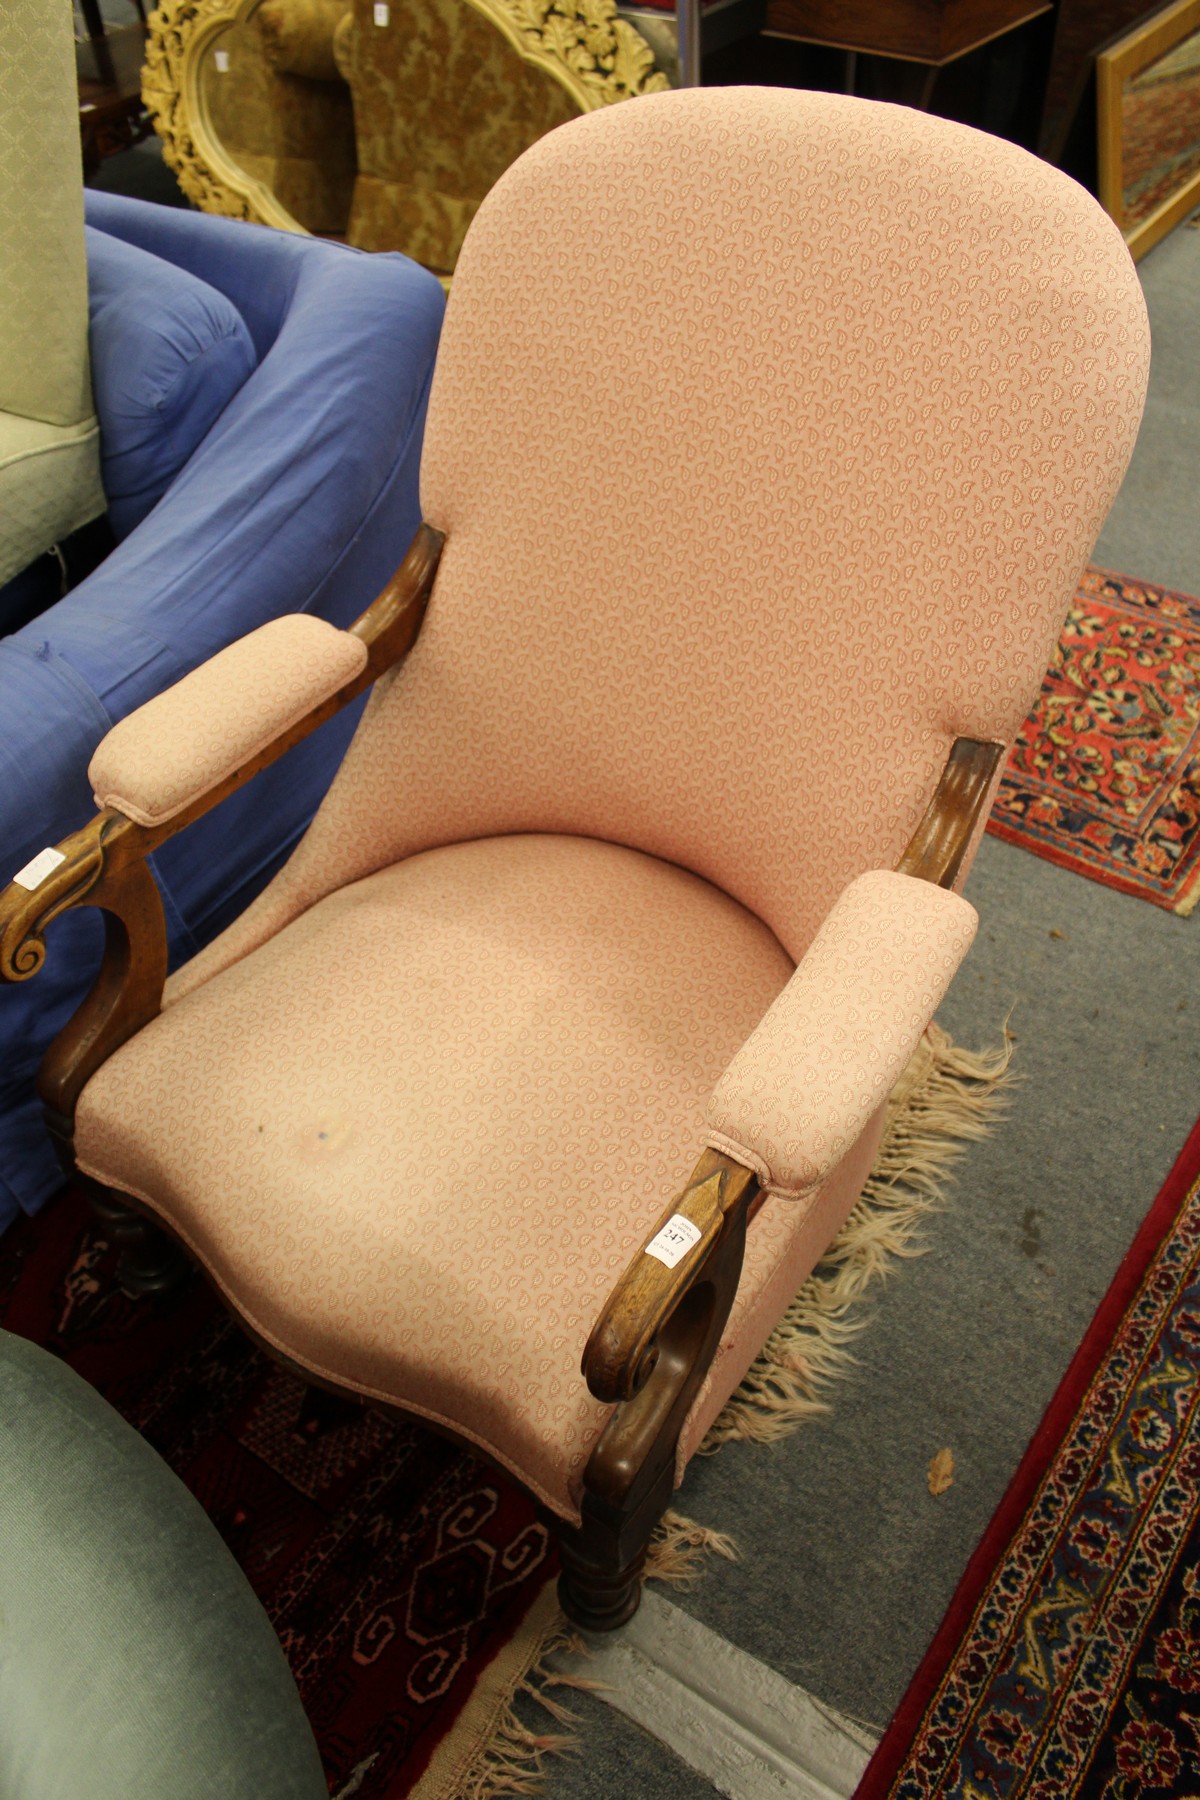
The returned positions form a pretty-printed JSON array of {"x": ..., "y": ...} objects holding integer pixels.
[{"x": 135, "y": 1662}]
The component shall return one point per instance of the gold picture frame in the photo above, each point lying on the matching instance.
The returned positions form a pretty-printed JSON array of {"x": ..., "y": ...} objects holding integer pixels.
[{"x": 1148, "y": 116}]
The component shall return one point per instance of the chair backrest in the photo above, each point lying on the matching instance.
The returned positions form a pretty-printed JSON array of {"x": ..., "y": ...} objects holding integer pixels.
[
  {"x": 770, "y": 432},
  {"x": 49, "y": 435}
]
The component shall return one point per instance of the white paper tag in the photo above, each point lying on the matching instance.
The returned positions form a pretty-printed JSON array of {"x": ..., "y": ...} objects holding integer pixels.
[
  {"x": 221, "y": 58},
  {"x": 672, "y": 1243},
  {"x": 35, "y": 872},
  {"x": 382, "y": 12}
]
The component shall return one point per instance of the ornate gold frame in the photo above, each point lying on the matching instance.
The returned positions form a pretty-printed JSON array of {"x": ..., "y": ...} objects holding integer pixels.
[
  {"x": 596, "y": 56},
  {"x": 1133, "y": 53}
]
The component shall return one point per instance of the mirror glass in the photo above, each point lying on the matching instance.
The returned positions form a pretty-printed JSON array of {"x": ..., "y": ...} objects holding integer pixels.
[
  {"x": 1160, "y": 130},
  {"x": 292, "y": 133}
]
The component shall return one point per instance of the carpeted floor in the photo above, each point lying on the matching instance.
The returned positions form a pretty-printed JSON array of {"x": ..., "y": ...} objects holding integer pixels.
[{"x": 1069, "y": 1660}]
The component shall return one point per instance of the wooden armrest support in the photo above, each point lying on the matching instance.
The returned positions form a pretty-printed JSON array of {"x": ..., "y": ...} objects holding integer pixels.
[
  {"x": 937, "y": 847},
  {"x": 104, "y": 863},
  {"x": 622, "y": 1350}
]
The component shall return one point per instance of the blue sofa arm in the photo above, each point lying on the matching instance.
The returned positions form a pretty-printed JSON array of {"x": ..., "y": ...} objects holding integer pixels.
[{"x": 301, "y": 498}]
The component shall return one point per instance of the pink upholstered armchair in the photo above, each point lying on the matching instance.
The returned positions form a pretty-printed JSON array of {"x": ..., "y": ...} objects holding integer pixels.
[{"x": 769, "y": 434}]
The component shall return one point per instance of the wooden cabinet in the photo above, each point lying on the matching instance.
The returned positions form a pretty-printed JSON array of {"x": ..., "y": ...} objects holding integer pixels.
[{"x": 932, "y": 32}]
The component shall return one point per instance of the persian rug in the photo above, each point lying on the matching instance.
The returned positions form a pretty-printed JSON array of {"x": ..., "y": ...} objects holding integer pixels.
[
  {"x": 1105, "y": 775},
  {"x": 1068, "y": 1663}
]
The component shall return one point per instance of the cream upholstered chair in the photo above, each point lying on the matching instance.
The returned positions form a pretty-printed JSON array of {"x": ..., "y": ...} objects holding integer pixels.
[
  {"x": 768, "y": 436},
  {"x": 49, "y": 437}
]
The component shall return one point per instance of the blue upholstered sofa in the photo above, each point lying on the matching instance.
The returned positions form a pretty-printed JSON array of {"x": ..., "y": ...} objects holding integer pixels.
[{"x": 261, "y": 400}]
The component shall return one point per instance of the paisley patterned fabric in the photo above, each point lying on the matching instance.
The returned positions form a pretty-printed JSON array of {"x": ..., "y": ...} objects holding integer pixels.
[
  {"x": 417, "y": 1137},
  {"x": 810, "y": 508},
  {"x": 161, "y": 757},
  {"x": 840, "y": 1035},
  {"x": 443, "y": 104},
  {"x": 769, "y": 431}
]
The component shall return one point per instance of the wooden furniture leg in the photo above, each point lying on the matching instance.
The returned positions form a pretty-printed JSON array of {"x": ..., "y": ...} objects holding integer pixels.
[
  {"x": 630, "y": 1475},
  {"x": 151, "y": 1262}
]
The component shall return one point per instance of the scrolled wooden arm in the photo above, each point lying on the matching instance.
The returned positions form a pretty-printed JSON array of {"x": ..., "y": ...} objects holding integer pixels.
[
  {"x": 104, "y": 865},
  {"x": 25, "y": 913},
  {"x": 622, "y": 1351}
]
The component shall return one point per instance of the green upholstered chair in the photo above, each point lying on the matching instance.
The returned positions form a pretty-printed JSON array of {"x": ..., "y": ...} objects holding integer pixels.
[
  {"x": 135, "y": 1663},
  {"x": 49, "y": 437}
]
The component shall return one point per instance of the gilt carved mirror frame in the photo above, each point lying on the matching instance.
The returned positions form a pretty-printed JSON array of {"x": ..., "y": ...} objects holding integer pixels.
[{"x": 182, "y": 34}]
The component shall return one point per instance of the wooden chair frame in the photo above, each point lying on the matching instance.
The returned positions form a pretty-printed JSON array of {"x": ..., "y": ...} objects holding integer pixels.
[{"x": 656, "y": 1336}]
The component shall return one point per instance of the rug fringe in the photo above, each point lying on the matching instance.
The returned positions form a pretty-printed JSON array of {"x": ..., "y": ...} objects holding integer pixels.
[
  {"x": 1186, "y": 899},
  {"x": 512, "y": 1761},
  {"x": 679, "y": 1548},
  {"x": 946, "y": 1098}
]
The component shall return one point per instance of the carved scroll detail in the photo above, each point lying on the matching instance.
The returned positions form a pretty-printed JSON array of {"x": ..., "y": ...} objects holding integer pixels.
[
  {"x": 598, "y": 57},
  {"x": 23, "y": 923}
]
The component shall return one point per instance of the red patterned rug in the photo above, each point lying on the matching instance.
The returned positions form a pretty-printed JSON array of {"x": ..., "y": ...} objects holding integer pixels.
[
  {"x": 1105, "y": 776},
  {"x": 394, "y": 1567},
  {"x": 1068, "y": 1663}
]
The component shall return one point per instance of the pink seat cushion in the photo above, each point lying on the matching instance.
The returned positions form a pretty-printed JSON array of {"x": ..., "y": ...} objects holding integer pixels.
[{"x": 417, "y": 1136}]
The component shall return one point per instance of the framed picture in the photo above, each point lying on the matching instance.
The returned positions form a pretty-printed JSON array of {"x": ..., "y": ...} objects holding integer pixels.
[{"x": 1148, "y": 108}]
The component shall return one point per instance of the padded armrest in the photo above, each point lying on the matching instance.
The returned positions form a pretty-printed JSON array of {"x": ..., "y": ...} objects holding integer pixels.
[
  {"x": 828, "y": 1052},
  {"x": 188, "y": 739}
]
